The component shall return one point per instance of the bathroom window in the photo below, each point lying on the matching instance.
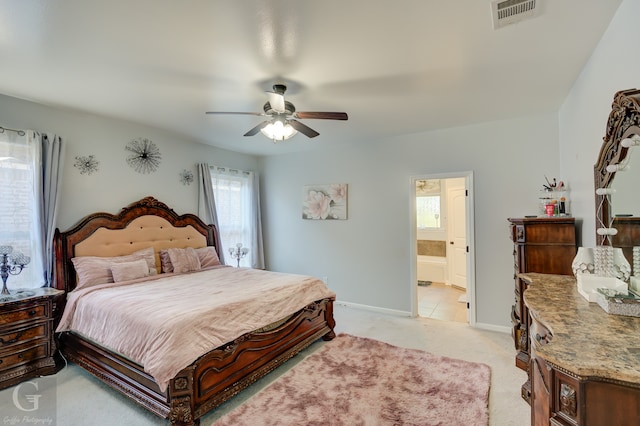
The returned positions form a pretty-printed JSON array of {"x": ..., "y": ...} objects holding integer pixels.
[
  {"x": 428, "y": 211},
  {"x": 428, "y": 203}
]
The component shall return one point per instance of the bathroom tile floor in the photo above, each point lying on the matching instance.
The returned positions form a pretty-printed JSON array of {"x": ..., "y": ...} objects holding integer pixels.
[{"x": 440, "y": 301}]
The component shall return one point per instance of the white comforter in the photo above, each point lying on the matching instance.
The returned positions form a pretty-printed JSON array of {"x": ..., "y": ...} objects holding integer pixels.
[{"x": 166, "y": 322}]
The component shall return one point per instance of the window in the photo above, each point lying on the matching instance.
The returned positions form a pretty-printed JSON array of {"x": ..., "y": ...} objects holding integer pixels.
[
  {"x": 428, "y": 214},
  {"x": 233, "y": 192},
  {"x": 19, "y": 218},
  {"x": 428, "y": 203}
]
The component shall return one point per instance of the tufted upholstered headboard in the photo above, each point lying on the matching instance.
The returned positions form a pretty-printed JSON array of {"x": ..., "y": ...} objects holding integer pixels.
[{"x": 142, "y": 224}]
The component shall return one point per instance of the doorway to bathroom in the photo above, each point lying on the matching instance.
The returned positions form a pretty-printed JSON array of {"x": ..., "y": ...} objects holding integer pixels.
[{"x": 442, "y": 241}]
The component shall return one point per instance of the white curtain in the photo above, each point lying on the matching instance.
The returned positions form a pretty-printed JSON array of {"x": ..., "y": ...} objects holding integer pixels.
[
  {"x": 19, "y": 209},
  {"x": 237, "y": 201},
  {"x": 30, "y": 176}
]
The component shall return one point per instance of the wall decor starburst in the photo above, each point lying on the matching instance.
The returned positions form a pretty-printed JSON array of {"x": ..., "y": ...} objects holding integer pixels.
[
  {"x": 86, "y": 164},
  {"x": 145, "y": 155},
  {"x": 186, "y": 177}
]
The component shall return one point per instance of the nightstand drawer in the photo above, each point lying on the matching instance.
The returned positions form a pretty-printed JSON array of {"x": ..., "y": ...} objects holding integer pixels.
[
  {"x": 27, "y": 345},
  {"x": 20, "y": 335},
  {"x": 23, "y": 313},
  {"x": 24, "y": 355}
]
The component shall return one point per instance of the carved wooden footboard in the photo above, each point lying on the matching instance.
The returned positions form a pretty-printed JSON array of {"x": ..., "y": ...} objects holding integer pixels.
[{"x": 214, "y": 377}]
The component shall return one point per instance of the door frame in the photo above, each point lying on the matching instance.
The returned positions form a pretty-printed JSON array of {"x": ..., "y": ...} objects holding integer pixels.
[{"x": 413, "y": 232}]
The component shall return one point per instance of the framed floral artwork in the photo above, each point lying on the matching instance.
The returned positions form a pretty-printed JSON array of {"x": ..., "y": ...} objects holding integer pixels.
[{"x": 325, "y": 202}]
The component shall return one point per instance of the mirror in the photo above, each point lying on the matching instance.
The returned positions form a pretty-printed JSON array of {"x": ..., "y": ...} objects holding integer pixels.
[
  {"x": 625, "y": 201},
  {"x": 621, "y": 209}
]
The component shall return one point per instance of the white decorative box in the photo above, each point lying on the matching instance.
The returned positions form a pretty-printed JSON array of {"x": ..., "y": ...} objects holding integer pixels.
[{"x": 589, "y": 284}]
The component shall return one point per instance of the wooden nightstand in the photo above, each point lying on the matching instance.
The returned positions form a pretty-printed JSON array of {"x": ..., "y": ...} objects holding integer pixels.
[{"x": 27, "y": 344}]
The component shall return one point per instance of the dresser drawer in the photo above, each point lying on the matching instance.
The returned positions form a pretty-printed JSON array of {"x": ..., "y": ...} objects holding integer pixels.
[
  {"x": 25, "y": 354},
  {"x": 540, "y": 335},
  {"x": 20, "y": 335},
  {"x": 24, "y": 313}
]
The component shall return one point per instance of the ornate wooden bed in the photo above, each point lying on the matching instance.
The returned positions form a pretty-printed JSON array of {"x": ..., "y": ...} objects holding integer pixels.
[{"x": 214, "y": 377}]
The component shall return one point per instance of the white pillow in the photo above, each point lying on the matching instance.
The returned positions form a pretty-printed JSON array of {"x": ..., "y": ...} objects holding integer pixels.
[{"x": 126, "y": 271}]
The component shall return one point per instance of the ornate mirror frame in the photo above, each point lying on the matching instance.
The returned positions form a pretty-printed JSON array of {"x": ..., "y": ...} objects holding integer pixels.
[{"x": 623, "y": 122}]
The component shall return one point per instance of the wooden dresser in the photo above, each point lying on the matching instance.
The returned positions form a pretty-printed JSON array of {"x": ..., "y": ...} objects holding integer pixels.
[
  {"x": 544, "y": 245},
  {"x": 27, "y": 344},
  {"x": 585, "y": 363}
]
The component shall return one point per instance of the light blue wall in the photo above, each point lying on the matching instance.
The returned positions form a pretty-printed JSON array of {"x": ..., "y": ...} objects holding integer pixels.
[
  {"x": 366, "y": 258},
  {"x": 613, "y": 66},
  {"x": 116, "y": 185}
]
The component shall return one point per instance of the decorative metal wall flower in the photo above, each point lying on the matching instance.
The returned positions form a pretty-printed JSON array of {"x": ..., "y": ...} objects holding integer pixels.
[
  {"x": 186, "y": 177},
  {"x": 86, "y": 164},
  {"x": 145, "y": 155}
]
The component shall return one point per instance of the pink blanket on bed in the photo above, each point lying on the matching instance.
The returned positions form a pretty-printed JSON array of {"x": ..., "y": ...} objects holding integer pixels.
[{"x": 166, "y": 322}]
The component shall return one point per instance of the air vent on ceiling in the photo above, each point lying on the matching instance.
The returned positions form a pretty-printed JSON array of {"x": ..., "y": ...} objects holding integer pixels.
[{"x": 507, "y": 12}]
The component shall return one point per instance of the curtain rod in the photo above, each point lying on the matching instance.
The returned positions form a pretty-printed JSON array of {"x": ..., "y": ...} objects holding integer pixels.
[{"x": 20, "y": 132}]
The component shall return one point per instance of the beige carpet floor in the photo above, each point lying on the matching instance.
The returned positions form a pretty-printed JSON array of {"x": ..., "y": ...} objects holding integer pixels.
[{"x": 82, "y": 400}]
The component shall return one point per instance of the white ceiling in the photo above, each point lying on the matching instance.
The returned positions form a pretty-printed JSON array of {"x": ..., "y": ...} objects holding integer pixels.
[{"x": 395, "y": 67}]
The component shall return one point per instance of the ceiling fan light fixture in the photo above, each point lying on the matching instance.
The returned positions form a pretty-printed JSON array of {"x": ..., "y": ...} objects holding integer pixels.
[{"x": 278, "y": 130}]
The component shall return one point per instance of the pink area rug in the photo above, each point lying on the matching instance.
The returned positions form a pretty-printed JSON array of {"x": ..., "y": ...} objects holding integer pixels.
[{"x": 359, "y": 381}]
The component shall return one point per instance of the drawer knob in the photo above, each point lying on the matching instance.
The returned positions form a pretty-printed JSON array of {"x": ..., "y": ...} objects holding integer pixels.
[
  {"x": 8, "y": 342},
  {"x": 20, "y": 356},
  {"x": 32, "y": 312}
]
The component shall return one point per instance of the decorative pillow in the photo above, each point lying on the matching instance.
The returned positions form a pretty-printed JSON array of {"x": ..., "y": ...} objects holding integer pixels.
[
  {"x": 165, "y": 262},
  {"x": 150, "y": 257},
  {"x": 94, "y": 270},
  {"x": 208, "y": 256},
  {"x": 126, "y": 271},
  {"x": 184, "y": 260}
]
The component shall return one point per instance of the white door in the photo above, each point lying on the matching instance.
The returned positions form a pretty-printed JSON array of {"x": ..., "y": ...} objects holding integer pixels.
[{"x": 456, "y": 235}]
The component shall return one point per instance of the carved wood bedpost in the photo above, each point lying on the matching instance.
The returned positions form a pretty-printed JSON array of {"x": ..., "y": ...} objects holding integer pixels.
[
  {"x": 180, "y": 391},
  {"x": 331, "y": 322}
]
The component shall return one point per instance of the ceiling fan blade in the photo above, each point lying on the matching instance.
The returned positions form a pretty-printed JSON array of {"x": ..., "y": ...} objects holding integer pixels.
[
  {"x": 276, "y": 100},
  {"x": 322, "y": 115},
  {"x": 304, "y": 129},
  {"x": 257, "y": 128},
  {"x": 236, "y": 113}
]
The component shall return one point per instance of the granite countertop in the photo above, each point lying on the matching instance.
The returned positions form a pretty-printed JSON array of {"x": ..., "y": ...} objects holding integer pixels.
[
  {"x": 586, "y": 341},
  {"x": 18, "y": 295}
]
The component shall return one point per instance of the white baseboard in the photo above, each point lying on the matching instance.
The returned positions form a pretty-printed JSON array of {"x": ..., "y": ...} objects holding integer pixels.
[
  {"x": 374, "y": 309},
  {"x": 395, "y": 312},
  {"x": 493, "y": 327}
]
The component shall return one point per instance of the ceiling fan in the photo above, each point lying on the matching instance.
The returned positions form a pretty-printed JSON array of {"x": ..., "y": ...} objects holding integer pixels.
[{"x": 283, "y": 122}]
